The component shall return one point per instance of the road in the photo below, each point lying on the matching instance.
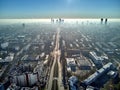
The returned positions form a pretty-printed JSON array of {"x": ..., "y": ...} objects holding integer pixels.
[{"x": 56, "y": 79}]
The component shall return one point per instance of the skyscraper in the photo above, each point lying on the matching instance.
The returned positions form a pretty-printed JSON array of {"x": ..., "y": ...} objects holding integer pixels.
[
  {"x": 106, "y": 21},
  {"x": 101, "y": 20}
]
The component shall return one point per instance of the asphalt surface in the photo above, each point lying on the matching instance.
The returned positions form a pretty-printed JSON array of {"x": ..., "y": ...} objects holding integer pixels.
[{"x": 55, "y": 79}]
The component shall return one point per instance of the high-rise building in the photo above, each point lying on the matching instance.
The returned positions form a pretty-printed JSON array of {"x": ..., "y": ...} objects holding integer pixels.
[
  {"x": 101, "y": 20},
  {"x": 106, "y": 21},
  {"x": 23, "y": 25},
  {"x": 27, "y": 79}
]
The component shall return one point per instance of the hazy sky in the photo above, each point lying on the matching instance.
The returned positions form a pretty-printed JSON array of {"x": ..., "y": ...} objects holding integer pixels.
[{"x": 59, "y": 8}]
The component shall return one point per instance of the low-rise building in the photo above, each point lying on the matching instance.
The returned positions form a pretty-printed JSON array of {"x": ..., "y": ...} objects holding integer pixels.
[
  {"x": 97, "y": 74},
  {"x": 71, "y": 65},
  {"x": 73, "y": 83},
  {"x": 97, "y": 60}
]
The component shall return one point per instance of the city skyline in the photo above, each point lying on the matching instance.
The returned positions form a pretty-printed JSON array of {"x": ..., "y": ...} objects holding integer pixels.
[
  {"x": 59, "y": 44},
  {"x": 59, "y": 9}
]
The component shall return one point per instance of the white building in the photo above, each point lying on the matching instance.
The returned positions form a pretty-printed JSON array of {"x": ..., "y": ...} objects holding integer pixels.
[
  {"x": 96, "y": 59},
  {"x": 71, "y": 65}
]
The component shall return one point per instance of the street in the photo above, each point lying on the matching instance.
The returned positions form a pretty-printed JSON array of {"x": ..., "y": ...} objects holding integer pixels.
[{"x": 56, "y": 67}]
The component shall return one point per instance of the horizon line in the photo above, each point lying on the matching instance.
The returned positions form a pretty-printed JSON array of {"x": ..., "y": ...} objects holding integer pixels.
[{"x": 61, "y": 18}]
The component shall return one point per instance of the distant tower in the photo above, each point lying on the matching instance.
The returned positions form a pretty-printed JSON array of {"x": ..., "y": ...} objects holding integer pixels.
[
  {"x": 23, "y": 25},
  {"x": 52, "y": 20},
  {"x": 101, "y": 20},
  {"x": 60, "y": 20},
  {"x": 57, "y": 21},
  {"x": 106, "y": 21}
]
